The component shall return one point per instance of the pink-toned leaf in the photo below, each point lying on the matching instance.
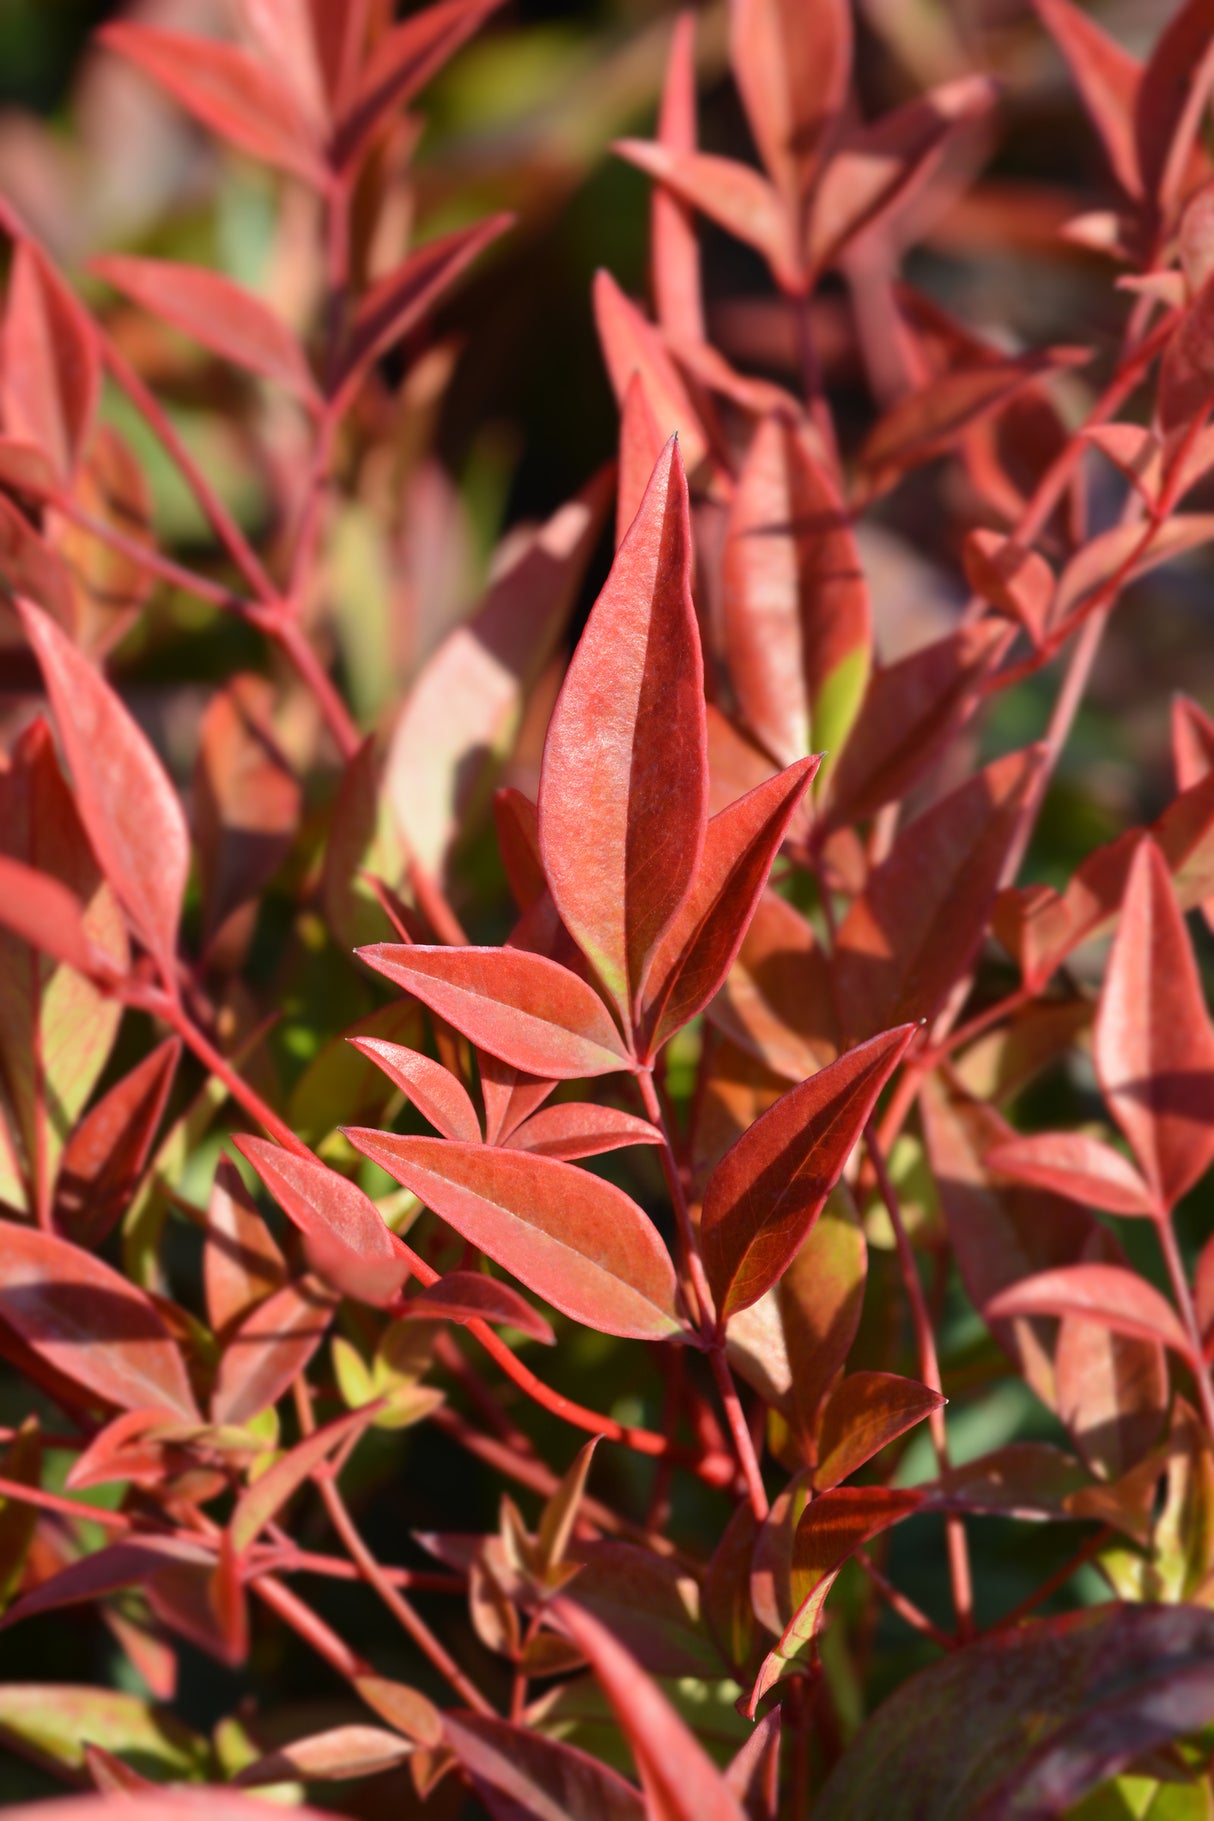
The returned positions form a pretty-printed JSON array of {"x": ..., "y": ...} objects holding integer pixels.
[
  {"x": 680, "y": 1780},
  {"x": 767, "y": 1192},
  {"x": 110, "y": 1773},
  {"x": 404, "y": 60},
  {"x": 268, "y": 1350},
  {"x": 576, "y": 1129},
  {"x": 181, "y": 1803},
  {"x": 259, "y": 1503},
  {"x": 25, "y": 468},
  {"x": 289, "y": 36},
  {"x": 633, "y": 347},
  {"x": 1077, "y": 1166},
  {"x": 753, "y": 1773},
  {"x": 733, "y": 195},
  {"x": 438, "y": 1095},
  {"x": 333, "y": 1756},
  {"x": 1103, "y": 1293},
  {"x": 640, "y": 447},
  {"x": 1107, "y": 78},
  {"x": 29, "y": 566},
  {"x": 393, "y": 307},
  {"x": 464, "y": 711},
  {"x": 1014, "y": 580},
  {"x": 129, "y": 807},
  {"x": 108, "y": 1570},
  {"x": 624, "y": 785},
  {"x": 241, "y": 1263},
  {"x": 916, "y": 928},
  {"x": 228, "y": 90},
  {"x": 105, "y": 1155},
  {"x": 674, "y": 249},
  {"x": 1153, "y": 1042},
  {"x": 523, "y": 1008},
  {"x": 86, "y": 1321},
  {"x": 51, "y": 380},
  {"x": 229, "y": 320},
  {"x": 577, "y": 1241},
  {"x": 864, "y": 1412},
  {"x": 1165, "y": 126},
  {"x": 1111, "y": 1388},
  {"x": 540, "y": 1779},
  {"x": 49, "y": 917},
  {"x": 131, "y": 1446},
  {"x": 516, "y": 820},
  {"x": 471, "y": 1296},
  {"x": 1192, "y": 742},
  {"x": 792, "y": 65},
  {"x": 348, "y": 1241},
  {"x": 798, "y": 632},
  {"x": 1118, "y": 550},
  {"x": 702, "y": 943},
  {"x": 830, "y": 1531}
]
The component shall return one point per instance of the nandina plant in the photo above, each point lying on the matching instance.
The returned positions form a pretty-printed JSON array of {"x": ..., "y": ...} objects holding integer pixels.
[{"x": 592, "y": 1228}]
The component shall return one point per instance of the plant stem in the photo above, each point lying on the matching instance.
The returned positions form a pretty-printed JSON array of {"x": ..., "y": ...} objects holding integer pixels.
[{"x": 1188, "y": 1316}]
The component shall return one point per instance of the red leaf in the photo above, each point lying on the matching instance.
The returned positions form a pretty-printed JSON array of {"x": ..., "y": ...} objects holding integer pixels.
[
  {"x": 182, "y": 1803},
  {"x": 105, "y": 1155},
  {"x": 753, "y": 1773},
  {"x": 290, "y": 36},
  {"x": 731, "y": 194},
  {"x": 1110, "y": 1388},
  {"x": 864, "y": 1412},
  {"x": 1077, "y": 1166},
  {"x": 775, "y": 1002},
  {"x": 914, "y": 931},
  {"x": 767, "y": 1192},
  {"x": 1014, "y": 580},
  {"x": 523, "y": 1008},
  {"x": 794, "y": 603},
  {"x": 348, "y": 1241},
  {"x": 633, "y": 347},
  {"x": 516, "y": 820},
  {"x": 1192, "y": 742},
  {"x": 86, "y": 1321},
  {"x": 1153, "y": 1043},
  {"x": 269, "y": 1350},
  {"x": 51, "y": 380},
  {"x": 702, "y": 943},
  {"x": 241, "y": 1264},
  {"x": 108, "y": 1570},
  {"x": 1100, "y": 1293},
  {"x": 127, "y": 804},
  {"x": 394, "y": 306},
  {"x": 680, "y": 1780},
  {"x": 574, "y": 1129},
  {"x": 1107, "y": 79},
  {"x": 28, "y": 566},
  {"x": 403, "y": 62},
  {"x": 624, "y": 785},
  {"x": 577, "y": 1241},
  {"x": 261, "y": 1501},
  {"x": 540, "y": 1779},
  {"x": 471, "y": 1296},
  {"x": 792, "y": 65},
  {"x": 640, "y": 447},
  {"x": 1165, "y": 124},
  {"x": 674, "y": 250},
  {"x": 223, "y": 316},
  {"x": 438, "y": 1095},
  {"x": 49, "y": 917},
  {"x": 228, "y": 90}
]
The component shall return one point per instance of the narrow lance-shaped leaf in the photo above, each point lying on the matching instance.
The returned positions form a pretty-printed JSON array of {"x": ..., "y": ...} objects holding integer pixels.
[
  {"x": 241, "y": 1263},
  {"x": 580, "y": 1129},
  {"x": 105, "y": 1155},
  {"x": 1153, "y": 1042},
  {"x": 733, "y": 195},
  {"x": 348, "y": 1240},
  {"x": 437, "y": 1094},
  {"x": 675, "y": 253},
  {"x": 269, "y": 1349},
  {"x": 210, "y": 308},
  {"x": 798, "y": 632},
  {"x": 864, "y": 1412},
  {"x": 1077, "y": 1166},
  {"x": 1107, "y": 78},
  {"x": 51, "y": 382},
  {"x": 129, "y": 807},
  {"x": 767, "y": 1191},
  {"x": 1176, "y": 71},
  {"x": 332, "y": 1756},
  {"x": 633, "y": 347},
  {"x": 520, "y": 1007},
  {"x": 792, "y": 64},
  {"x": 465, "y": 1296},
  {"x": 267, "y": 1495},
  {"x": 1111, "y": 1294},
  {"x": 539, "y": 1779},
  {"x": 624, "y": 785},
  {"x": 403, "y": 62},
  {"x": 577, "y": 1241}
]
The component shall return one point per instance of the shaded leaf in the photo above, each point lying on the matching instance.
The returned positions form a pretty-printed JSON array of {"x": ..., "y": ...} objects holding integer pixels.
[
  {"x": 241, "y": 1263},
  {"x": 268, "y": 1351},
  {"x": 258, "y": 1504},
  {"x": 403, "y": 61},
  {"x": 347, "y": 1239},
  {"x": 792, "y": 65},
  {"x": 1107, "y": 79},
  {"x": 864, "y": 1412},
  {"x": 328, "y": 1757},
  {"x": 542, "y": 1779},
  {"x": 471, "y": 1296},
  {"x": 105, "y": 1156}
]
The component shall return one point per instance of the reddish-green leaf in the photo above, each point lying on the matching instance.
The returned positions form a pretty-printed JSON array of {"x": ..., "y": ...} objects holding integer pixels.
[
  {"x": 90, "y": 1323},
  {"x": 580, "y": 1129},
  {"x": 52, "y": 370},
  {"x": 767, "y": 1192},
  {"x": 105, "y": 1155},
  {"x": 160, "y": 1804},
  {"x": 438, "y": 1095},
  {"x": 1021, "y": 1725},
  {"x": 268, "y": 1350},
  {"x": 228, "y": 90},
  {"x": 229, "y": 320},
  {"x": 1103, "y": 1293},
  {"x": 333, "y": 1756},
  {"x": 403, "y": 62},
  {"x": 523, "y": 1008},
  {"x": 347, "y": 1239},
  {"x": 798, "y": 632},
  {"x": 915, "y": 930},
  {"x": 129, "y": 807},
  {"x": 1077, "y": 1166},
  {"x": 268, "y": 1494},
  {"x": 624, "y": 786},
  {"x": 577, "y": 1241},
  {"x": 864, "y": 1412},
  {"x": 540, "y": 1779},
  {"x": 471, "y": 1296},
  {"x": 1154, "y": 1046},
  {"x": 702, "y": 943}
]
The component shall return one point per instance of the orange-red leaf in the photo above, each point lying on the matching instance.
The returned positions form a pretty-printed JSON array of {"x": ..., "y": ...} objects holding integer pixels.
[{"x": 348, "y": 1241}]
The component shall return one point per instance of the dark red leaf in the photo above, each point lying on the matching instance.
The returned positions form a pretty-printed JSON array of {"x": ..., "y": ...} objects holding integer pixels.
[
  {"x": 577, "y": 1241},
  {"x": 403, "y": 62},
  {"x": 540, "y": 1778},
  {"x": 753, "y": 1773},
  {"x": 129, "y": 807},
  {"x": 269, "y": 1350},
  {"x": 223, "y": 316},
  {"x": 105, "y": 1571},
  {"x": 105, "y": 1155},
  {"x": 523, "y": 1008},
  {"x": 767, "y": 1192},
  {"x": 624, "y": 786},
  {"x": 438, "y": 1095},
  {"x": 1165, "y": 125},
  {"x": 775, "y": 1003},
  {"x": 471, "y": 1296},
  {"x": 576, "y": 1129},
  {"x": 90, "y": 1323},
  {"x": 51, "y": 382},
  {"x": 1153, "y": 1042},
  {"x": 348, "y": 1241},
  {"x": 864, "y": 1412},
  {"x": 228, "y": 90},
  {"x": 1077, "y": 1166},
  {"x": 518, "y": 838}
]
